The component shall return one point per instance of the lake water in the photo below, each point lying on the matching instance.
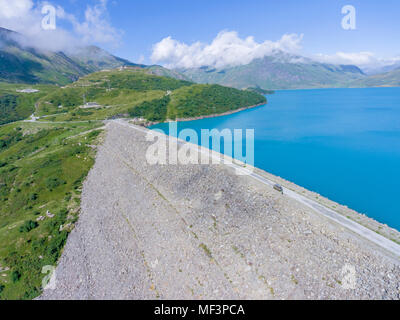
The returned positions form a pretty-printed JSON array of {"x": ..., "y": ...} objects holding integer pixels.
[{"x": 341, "y": 143}]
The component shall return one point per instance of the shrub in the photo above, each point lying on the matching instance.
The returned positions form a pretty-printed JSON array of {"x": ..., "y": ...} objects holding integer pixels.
[
  {"x": 15, "y": 276},
  {"x": 28, "y": 226},
  {"x": 31, "y": 294},
  {"x": 33, "y": 196},
  {"x": 155, "y": 110},
  {"x": 53, "y": 250},
  {"x": 52, "y": 183},
  {"x": 94, "y": 134}
]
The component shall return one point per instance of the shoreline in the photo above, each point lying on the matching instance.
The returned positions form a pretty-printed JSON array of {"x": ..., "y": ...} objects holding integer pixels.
[
  {"x": 323, "y": 88},
  {"x": 214, "y": 115}
]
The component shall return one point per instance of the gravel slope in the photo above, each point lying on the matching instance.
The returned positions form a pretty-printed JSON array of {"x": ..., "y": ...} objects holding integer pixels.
[{"x": 202, "y": 232}]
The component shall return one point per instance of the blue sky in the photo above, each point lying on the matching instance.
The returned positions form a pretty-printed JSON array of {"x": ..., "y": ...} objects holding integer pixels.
[{"x": 139, "y": 25}]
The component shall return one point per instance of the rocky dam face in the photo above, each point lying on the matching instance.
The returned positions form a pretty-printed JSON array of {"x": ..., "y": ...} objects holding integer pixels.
[{"x": 204, "y": 232}]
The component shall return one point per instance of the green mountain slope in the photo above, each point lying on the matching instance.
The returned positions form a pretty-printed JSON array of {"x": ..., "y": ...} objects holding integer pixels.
[
  {"x": 164, "y": 72},
  {"x": 16, "y": 105},
  {"x": 22, "y": 64},
  {"x": 94, "y": 59},
  {"x": 278, "y": 71},
  {"x": 139, "y": 93},
  {"x": 42, "y": 168},
  {"x": 379, "y": 70},
  {"x": 388, "y": 79}
]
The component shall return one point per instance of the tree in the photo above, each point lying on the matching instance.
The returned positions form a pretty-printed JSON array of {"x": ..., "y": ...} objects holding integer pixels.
[
  {"x": 28, "y": 226},
  {"x": 15, "y": 276}
]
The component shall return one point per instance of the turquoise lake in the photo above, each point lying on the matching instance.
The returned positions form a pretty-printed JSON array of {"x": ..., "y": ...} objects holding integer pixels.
[{"x": 341, "y": 143}]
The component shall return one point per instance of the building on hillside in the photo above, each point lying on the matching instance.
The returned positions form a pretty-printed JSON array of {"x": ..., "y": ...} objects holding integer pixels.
[
  {"x": 28, "y": 90},
  {"x": 91, "y": 105}
]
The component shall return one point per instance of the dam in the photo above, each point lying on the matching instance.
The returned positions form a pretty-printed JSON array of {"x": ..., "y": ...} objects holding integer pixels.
[{"x": 204, "y": 232}]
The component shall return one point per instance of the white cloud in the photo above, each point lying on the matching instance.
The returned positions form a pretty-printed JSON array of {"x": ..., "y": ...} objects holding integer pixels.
[
  {"x": 367, "y": 61},
  {"x": 96, "y": 27},
  {"x": 356, "y": 58},
  {"x": 227, "y": 49},
  {"x": 25, "y": 17},
  {"x": 14, "y": 8},
  {"x": 16, "y": 14}
]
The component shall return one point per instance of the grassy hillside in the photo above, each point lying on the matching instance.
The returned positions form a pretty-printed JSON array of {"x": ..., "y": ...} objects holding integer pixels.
[
  {"x": 137, "y": 93},
  {"x": 164, "y": 72},
  {"x": 44, "y": 163},
  {"x": 388, "y": 79},
  {"x": 199, "y": 100},
  {"x": 17, "y": 106},
  {"x": 20, "y": 63},
  {"x": 30, "y": 66},
  {"x": 24, "y": 64},
  {"x": 42, "y": 168}
]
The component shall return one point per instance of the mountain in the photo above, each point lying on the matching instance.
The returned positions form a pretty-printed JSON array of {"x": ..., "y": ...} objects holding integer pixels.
[
  {"x": 21, "y": 63},
  {"x": 387, "y": 79},
  {"x": 164, "y": 72},
  {"x": 137, "y": 92},
  {"x": 278, "y": 71},
  {"x": 94, "y": 59},
  {"x": 384, "y": 69}
]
